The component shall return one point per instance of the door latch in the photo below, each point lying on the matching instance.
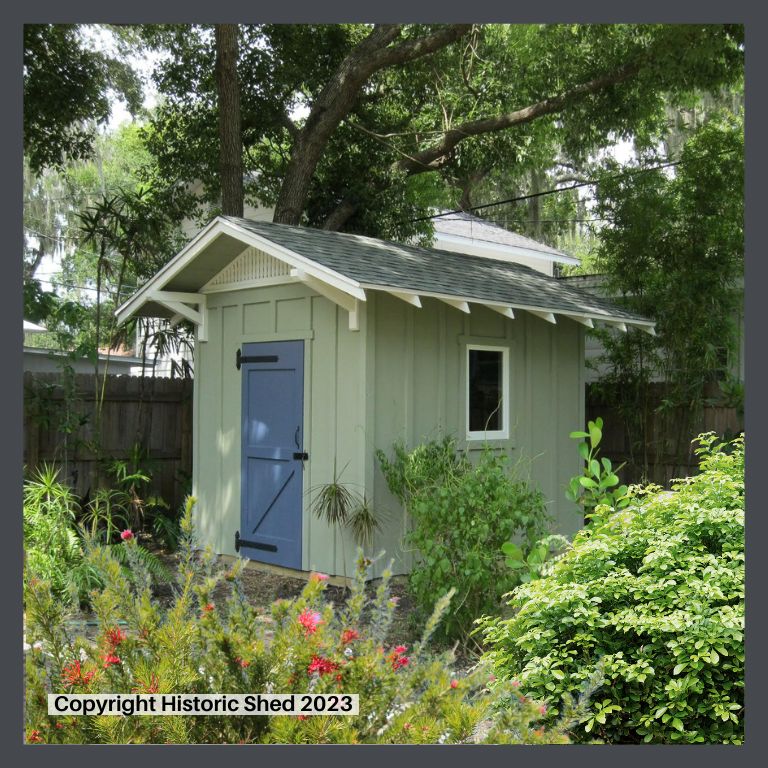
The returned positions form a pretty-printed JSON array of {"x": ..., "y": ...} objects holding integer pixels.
[{"x": 301, "y": 455}]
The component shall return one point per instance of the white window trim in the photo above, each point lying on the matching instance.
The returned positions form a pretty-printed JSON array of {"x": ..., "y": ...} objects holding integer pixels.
[{"x": 496, "y": 434}]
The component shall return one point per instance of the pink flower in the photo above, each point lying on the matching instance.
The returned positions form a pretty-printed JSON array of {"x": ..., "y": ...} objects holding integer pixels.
[
  {"x": 111, "y": 659},
  {"x": 394, "y": 600},
  {"x": 543, "y": 709},
  {"x": 310, "y": 621},
  {"x": 400, "y": 649},
  {"x": 127, "y": 534},
  {"x": 515, "y": 683},
  {"x": 454, "y": 683},
  {"x": 407, "y": 726},
  {"x": 321, "y": 666},
  {"x": 319, "y": 577},
  {"x": 348, "y": 635}
]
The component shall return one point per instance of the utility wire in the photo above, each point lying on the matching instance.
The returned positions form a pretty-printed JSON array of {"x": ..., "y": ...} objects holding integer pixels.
[{"x": 520, "y": 198}]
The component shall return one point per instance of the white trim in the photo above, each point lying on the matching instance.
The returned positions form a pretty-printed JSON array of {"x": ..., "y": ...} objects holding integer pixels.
[
  {"x": 327, "y": 275},
  {"x": 617, "y": 324},
  {"x": 548, "y": 316},
  {"x": 346, "y": 301},
  {"x": 209, "y": 233},
  {"x": 579, "y": 319},
  {"x": 502, "y": 310},
  {"x": 497, "y": 434},
  {"x": 642, "y": 324},
  {"x": 263, "y": 282},
  {"x": 459, "y": 304},
  {"x": 409, "y": 298},
  {"x": 497, "y": 250}
]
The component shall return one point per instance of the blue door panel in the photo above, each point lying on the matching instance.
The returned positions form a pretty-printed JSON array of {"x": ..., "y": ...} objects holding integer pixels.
[{"x": 272, "y": 433}]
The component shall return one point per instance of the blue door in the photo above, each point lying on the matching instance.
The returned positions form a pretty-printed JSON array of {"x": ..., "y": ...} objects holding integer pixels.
[{"x": 272, "y": 452}]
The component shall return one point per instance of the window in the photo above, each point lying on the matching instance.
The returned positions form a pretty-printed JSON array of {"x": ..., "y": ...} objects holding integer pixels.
[{"x": 487, "y": 393}]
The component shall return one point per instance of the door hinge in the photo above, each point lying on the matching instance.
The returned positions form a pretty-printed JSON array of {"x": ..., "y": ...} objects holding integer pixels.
[
  {"x": 240, "y": 359},
  {"x": 253, "y": 544}
]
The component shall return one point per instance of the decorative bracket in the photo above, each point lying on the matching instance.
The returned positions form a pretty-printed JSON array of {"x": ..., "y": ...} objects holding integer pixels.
[{"x": 179, "y": 302}]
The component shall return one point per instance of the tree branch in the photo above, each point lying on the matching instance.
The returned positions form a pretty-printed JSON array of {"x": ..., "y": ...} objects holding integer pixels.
[
  {"x": 434, "y": 157},
  {"x": 337, "y": 99}
]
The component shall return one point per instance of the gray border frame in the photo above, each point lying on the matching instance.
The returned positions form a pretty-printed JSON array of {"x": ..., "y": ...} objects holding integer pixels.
[{"x": 595, "y": 11}]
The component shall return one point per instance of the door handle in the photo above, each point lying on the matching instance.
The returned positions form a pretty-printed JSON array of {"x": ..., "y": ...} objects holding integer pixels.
[{"x": 296, "y": 438}]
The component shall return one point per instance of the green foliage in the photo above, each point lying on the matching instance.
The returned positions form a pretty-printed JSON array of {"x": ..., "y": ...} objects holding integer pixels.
[
  {"x": 674, "y": 252},
  {"x": 461, "y": 516},
  {"x": 211, "y": 640},
  {"x": 539, "y": 559},
  {"x": 403, "y": 109},
  {"x": 598, "y": 486},
  {"x": 655, "y": 593},
  {"x": 57, "y": 548},
  {"x": 66, "y": 84}
]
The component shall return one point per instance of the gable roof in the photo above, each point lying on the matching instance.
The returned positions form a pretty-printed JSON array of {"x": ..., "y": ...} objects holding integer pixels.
[
  {"x": 457, "y": 227},
  {"x": 352, "y": 264}
]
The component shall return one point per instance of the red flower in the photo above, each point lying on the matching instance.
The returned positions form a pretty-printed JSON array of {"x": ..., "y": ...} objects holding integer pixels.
[
  {"x": 407, "y": 726},
  {"x": 310, "y": 621},
  {"x": 111, "y": 659},
  {"x": 58, "y": 726},
  {"x": 454, "y": 683},
  {"x": 543, "y": 709},
  {"x": 208, "y": 607},
  {"x": 321, "y": 666},
  {"x": 397, "y": 658},
  {"x": 302, "y": 717},
  {"x": 348, "y": 635},
  {"x": 515, "y": 683},
  {"x": 127, "y": 534},
  {"x": 242, "y": 662},
  {"x": 72, "y": 674},
  {"x": 319, "y": 577},
  {"x": 115, "y": 637},
  {"x": 34, "y": 737}
]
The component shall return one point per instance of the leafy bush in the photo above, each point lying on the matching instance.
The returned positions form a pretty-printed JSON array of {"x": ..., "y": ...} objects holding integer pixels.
[
  {"x": 656, "y": 593},
  {"x": 55, "y": 545},
  {"x": 210, "y": 640},
  {"x": 462, "y": 514}
]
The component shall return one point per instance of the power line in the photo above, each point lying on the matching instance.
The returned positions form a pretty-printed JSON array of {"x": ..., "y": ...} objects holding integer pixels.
[{"x": 531, "y": 196}]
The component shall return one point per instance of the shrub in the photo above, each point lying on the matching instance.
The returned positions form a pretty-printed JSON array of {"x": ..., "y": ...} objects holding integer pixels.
[
  {"x": 462, "y": 514},
  {"x": 210, "y": 640},
  {"x": 55, "y": 545},
  {"x": 655, "y": 592}
]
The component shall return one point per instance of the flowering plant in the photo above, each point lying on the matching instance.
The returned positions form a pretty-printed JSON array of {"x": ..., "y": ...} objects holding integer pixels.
[{"x": 198, "y": 645}]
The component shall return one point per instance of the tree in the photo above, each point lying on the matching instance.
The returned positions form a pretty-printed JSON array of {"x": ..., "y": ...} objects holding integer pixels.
[
  {"x": 230, "y": 129},
  {"x": 674, "y": 251},
  {"x": 66, "y": 93},
  {"x": 384, "y": 104}
]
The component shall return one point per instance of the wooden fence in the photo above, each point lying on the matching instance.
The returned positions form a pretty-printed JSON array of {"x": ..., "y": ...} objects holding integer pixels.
[
  {"x": 664, "y": 430},
  {"x": 153, "y": 415}
]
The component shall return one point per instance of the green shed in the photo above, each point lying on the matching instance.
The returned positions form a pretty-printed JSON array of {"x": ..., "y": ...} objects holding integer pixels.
[{"x": 314, "y": 348}]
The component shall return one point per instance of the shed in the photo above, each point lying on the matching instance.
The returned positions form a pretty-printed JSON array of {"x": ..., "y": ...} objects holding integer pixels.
[{"x": 314, "y": 348}]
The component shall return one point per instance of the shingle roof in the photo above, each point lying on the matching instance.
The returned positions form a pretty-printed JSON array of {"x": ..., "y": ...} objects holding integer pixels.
[
  {"x": 379, "y": 263},
  {"x": 460, "y": 224}
]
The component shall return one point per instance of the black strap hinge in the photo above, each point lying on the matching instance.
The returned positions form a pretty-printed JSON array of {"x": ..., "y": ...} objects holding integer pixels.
[
  {"x": 253, "y": 544},
  {"x": 241, "y": 359}
]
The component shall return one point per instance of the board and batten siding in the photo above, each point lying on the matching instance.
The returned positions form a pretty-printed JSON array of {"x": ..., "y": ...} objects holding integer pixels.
[
  {"x": 334, "y": 410},
  {"x": 417, "y": 366}
]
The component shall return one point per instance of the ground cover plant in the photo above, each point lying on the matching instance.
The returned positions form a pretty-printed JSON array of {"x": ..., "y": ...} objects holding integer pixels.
[
  {"x": 201, "y": 645},
  {"x": 462, "y": 514},
  {"x": 654, "y": 593}
]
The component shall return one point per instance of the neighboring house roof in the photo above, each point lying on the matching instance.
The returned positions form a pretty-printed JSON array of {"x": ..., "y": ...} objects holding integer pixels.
[
  {"x": 33, "y": 328},
  {"x": 352, "y": 264},
  {"x": 457, "y": 228}
]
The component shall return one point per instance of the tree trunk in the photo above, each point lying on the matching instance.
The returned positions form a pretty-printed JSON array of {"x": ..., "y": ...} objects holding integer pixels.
[
  {"x": 230, "y": 137},
  {"x": 337, "y": 99}
]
